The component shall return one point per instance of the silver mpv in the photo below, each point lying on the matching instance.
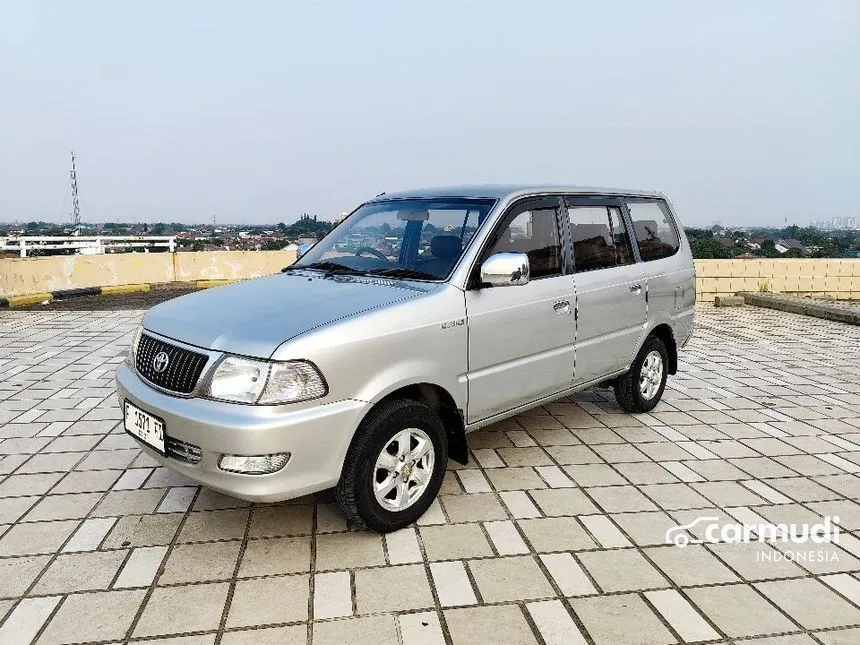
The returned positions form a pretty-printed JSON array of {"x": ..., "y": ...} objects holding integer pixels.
[{"x": 422, "y": 316}]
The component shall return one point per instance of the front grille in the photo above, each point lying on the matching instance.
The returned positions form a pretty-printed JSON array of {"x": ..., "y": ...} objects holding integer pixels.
[
  {"x": 182, "y": 451},
  {"x": 183, "y": 366}
]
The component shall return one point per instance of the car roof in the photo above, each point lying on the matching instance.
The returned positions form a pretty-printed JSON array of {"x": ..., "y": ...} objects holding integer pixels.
[{"x": 500, "y": 191}]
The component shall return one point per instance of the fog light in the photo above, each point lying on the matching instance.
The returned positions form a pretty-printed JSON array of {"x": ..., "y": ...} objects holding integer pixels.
[{"x": 257, "y": 465}]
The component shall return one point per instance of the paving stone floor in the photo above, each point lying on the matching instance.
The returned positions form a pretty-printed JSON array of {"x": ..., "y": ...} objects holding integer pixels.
[{"x": 554, "y": 534}]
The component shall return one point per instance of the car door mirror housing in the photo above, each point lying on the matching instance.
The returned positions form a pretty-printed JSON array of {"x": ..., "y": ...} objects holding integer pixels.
[{"x": 505, "y": 270}]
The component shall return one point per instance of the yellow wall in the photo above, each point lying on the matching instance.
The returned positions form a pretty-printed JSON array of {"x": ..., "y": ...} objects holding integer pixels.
[
  {"x": 19, "y": 276},
  {"x": 837, "y": 278},
  {"x": 225, "y": 265},
  {"x": 33, "y": 275}
]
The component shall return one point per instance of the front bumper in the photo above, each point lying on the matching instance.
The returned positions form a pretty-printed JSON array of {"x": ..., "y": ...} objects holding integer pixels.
[{"x": 316, "y": 437}]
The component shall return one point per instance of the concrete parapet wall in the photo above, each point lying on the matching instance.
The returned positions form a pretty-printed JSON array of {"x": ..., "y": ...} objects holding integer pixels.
[
  {"x": 230, "y": 265},
  {"x": 835, "y": 278},
  {"x": 21, "y": 276}
]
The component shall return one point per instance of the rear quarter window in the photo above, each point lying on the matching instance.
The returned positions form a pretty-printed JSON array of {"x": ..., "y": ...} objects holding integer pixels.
[{"x": 653, "y": 228}]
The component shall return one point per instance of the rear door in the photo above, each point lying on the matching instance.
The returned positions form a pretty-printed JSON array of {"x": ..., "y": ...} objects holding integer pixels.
[
  {"x": 610, "y": 289},
  {"x": 668, "y": 266},
  {"x": 521, "y": 337}
]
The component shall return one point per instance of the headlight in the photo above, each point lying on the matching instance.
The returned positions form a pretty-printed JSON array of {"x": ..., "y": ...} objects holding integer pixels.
[
  {"x": 245, "y": 380},
  {"x": 238, "y": 379},
  {"x": 135, "y": 341},
  {"x": 293, "y": 381}
]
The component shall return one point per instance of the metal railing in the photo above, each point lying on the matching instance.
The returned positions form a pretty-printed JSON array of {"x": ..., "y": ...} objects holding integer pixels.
[{"x": 94, "y": 245}]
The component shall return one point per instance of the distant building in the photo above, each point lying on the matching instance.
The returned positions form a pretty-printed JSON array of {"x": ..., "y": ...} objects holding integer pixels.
[
  {"x": 786, "y": 245},
  {"x": 848, "y": 223}
]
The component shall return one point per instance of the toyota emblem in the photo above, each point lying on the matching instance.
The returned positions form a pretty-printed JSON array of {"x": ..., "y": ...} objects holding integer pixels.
[{"x": 159, "y": 363}]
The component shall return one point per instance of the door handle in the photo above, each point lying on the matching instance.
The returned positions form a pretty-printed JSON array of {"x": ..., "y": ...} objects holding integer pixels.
[
  {"x": 561, "y": 307},
  {"x": 636, "y": 288}
]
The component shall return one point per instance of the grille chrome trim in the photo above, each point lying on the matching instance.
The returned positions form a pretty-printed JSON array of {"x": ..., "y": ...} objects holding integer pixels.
[
  {"x": 183, "y": 371},
  {"x": 182, "y": 450}
]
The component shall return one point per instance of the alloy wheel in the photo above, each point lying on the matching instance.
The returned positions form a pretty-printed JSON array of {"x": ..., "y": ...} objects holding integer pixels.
[
  {"x": 651, "y": 375},
  {"x": 403, "y": 469}
]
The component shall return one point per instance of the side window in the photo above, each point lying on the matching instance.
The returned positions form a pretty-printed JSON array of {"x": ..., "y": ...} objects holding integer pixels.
[
  {"x": 600, "y": 238},
  {"x": 535, "y": 233},
  {"x": 652, "y": 225}
]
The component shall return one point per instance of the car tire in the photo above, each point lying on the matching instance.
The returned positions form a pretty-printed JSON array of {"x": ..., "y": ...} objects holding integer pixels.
[
  {"x": 384, "y": 454},
  {"x": 640, "y": 389}
]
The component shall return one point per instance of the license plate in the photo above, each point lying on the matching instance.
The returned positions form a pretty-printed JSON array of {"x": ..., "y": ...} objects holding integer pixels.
[{"x": 145, "y": 426}]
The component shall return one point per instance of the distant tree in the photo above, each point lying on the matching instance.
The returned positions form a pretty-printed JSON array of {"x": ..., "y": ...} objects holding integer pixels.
[
  {"x": 698, "y": 232},
  {"x": 768, "y": 249},
  {"x": 305, "y": 226},
  {"x": 708, "y": 247},
  {"x": 791, "y": 232}
]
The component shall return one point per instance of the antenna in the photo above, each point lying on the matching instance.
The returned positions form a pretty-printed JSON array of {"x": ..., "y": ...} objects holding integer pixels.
[{"x": 76, "y": 206}]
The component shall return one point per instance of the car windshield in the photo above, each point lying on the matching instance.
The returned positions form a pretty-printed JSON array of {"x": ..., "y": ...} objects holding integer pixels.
[{"x": 418, "y": 239}]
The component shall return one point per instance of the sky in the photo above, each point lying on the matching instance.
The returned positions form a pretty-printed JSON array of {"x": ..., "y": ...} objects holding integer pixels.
[{"x": 743, "y": 112}]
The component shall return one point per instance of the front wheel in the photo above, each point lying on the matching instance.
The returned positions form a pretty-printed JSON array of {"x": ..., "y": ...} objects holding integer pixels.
[
  {"x": 640, "y": 389},
  {"x": 394, "y": 467}
]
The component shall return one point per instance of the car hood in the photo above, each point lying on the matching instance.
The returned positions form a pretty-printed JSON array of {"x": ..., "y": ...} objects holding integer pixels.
[{"x": 254, "y": 317}]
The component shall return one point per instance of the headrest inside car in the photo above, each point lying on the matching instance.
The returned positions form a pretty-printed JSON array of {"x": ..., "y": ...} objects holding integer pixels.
[
  {"x": 445, "y": 247},
  {"x": 645, "y": 230}
]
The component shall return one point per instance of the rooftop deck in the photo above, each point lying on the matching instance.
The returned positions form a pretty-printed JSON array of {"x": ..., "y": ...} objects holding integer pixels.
[{"x": 555, "y": 532}]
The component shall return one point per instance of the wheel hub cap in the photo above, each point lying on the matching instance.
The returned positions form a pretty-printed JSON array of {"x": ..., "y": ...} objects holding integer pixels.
[
  {"x": 651, "y": 375},
  {"x": 403, "y": 469}
]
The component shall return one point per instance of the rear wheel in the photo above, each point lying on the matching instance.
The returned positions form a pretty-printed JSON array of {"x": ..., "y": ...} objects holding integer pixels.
[
  {"x": 394, "y": 467},
  {"x": 640, "y": 389}
]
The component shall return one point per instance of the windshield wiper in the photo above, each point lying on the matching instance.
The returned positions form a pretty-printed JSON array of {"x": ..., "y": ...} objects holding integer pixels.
[
  {"x": 330, "y": 268},
  {"x": 402, "y": 272}
]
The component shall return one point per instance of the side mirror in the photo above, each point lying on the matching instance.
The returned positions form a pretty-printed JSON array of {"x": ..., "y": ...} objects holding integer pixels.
[{"x": 505, "y": 270}]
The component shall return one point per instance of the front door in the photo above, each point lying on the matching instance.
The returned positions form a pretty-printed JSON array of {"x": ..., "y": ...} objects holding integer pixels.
[
  {"x": 521, "y": 337},
  {"x": 610, "y": 288}
]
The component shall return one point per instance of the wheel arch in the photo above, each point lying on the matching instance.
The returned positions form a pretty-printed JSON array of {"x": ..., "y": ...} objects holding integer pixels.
[
  {"x": 664, "y": 332},
  {"x": 440, "y": 400}
]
